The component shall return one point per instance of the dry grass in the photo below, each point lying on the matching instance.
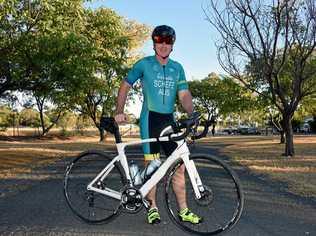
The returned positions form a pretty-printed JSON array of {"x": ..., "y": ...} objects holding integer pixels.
[
  {"x": 21, "y": 156},
  {"x": 264, "y": 155}
]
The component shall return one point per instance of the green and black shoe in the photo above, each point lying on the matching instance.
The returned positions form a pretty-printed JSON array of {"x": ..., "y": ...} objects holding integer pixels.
[
  {"x": 186, "y": 215},
  {"x": 153, "y": 216}
]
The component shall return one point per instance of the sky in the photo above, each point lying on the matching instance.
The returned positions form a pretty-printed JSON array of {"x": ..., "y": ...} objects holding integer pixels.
[{"x": 195, "y": 44}]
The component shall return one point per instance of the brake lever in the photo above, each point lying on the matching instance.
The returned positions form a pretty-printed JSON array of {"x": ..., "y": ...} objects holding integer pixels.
[{"x": 190, "y": 142}]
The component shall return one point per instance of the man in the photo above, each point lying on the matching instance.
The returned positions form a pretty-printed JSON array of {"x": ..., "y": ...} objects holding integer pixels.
[{"x": 162, "y": 80}]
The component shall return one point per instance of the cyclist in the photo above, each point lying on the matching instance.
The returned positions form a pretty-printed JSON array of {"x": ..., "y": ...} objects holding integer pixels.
[{"x": 162, "y": 80}]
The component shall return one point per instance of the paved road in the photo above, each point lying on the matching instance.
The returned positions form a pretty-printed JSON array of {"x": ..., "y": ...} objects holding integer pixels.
[{"x": 35, "y": 206}]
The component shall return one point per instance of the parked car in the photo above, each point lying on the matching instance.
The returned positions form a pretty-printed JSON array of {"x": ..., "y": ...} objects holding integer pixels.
[
  {"x": 230, "y": 130},
  {"x": 306, "y": 128},
  {"x": 253, "y": 130},
  {"x": 248, "y": 130}
]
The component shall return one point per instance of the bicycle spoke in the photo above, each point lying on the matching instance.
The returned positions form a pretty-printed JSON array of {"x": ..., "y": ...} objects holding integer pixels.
[
  {"x": 220, "y": 206},
  {"x": 105, "y": 209},
  {"x": 91, "y": 206},
  {"x": 92, "y": 214}
]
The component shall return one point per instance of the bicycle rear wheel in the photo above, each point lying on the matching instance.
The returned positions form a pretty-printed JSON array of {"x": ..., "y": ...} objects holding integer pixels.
[
  {"x": 90, "y": 206},
  {"x": 222, "y": 202}
]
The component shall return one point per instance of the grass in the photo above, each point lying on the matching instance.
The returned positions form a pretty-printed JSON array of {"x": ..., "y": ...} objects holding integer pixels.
[
  {"x": 22, "y": 155},
  {"x": 260, "y": 154},
  {"x": 264, "y": 155}
]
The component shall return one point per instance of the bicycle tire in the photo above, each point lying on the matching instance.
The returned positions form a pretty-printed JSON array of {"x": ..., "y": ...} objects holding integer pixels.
[
  {"x": 90, "y": 206},
  {"x": 223, "y": 203}
]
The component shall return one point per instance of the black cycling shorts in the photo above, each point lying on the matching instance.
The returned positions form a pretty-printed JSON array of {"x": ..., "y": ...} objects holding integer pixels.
[{"x": 156, "y": 122}]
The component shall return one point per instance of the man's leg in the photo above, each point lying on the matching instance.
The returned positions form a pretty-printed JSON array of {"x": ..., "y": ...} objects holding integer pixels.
[
  {"x": 151, "y": 196},
  {"x": 178, "y": 184},
  {"x": 153, "y": 215},
  {"x": 178, "y": 180}
]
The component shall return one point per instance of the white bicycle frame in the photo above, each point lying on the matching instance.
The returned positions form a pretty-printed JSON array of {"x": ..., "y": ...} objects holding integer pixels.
[{"x": 181, "y": 152}]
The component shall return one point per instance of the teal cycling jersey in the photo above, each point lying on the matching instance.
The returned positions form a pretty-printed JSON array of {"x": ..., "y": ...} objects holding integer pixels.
[{"x": 160, "y": 83}]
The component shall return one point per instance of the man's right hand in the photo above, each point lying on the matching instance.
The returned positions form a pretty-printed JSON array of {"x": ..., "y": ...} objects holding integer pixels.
[{"x": 121, "y": 118}]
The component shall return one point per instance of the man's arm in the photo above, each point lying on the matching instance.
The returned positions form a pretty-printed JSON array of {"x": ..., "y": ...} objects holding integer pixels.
[
  {"x": 185, "y": 98},
  {"x": 121, "y": 100}
]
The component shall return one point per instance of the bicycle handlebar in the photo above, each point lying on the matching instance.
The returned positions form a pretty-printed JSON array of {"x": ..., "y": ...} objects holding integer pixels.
[
  {"x": 109, "y": 124},
  {"x": 187, "y": 124}
]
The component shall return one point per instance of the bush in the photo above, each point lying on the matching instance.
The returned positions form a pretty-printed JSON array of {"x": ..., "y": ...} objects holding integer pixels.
[
  {"x": 29, "y": 117},
  {"x": 82, "y": 122},
  {"x": 5, "y": 113},
  {"x": 67, "y": 121}
]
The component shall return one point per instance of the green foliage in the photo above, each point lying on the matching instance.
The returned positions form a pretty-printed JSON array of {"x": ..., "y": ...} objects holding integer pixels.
[
  {"x": 66, "y": 56},
  {"x": 82, "y": 122},
  {"x": 22, "y": 23},
  {"x": 68, "y": 121},
  {"x": 5, "y": 113},
  {"x": 220, "y": 96},
  {"x": 307, "y": 107},
  {"x": 30, "y": 118},
  {"x": 113, "y": 39}
]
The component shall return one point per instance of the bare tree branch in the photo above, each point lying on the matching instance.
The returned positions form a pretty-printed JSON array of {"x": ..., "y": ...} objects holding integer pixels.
[{"x": 269, "y": 47}]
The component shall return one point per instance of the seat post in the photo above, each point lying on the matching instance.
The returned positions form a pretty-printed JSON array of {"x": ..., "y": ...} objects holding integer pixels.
[{"x": 117, "y": 134}]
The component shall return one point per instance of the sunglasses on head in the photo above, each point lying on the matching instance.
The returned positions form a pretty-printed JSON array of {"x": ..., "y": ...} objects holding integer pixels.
[{"x": 163, "y": 39}]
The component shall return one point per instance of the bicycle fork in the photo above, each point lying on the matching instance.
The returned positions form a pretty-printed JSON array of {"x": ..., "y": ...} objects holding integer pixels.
[{"x": 194, "y": 176}]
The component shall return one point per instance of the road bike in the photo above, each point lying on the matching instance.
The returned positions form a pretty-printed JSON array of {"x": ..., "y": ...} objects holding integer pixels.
[{"x": 99, "y": 186}]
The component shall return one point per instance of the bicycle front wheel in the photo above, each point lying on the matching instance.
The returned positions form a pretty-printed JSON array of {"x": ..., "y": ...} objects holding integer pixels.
[
  {"x": 91, "y": 206},
  {"x": 222, "y": 201}
]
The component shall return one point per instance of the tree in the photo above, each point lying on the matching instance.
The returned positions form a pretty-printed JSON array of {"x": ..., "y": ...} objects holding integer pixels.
[
  {"x": 114, "y": 40},
  {"x": 62, "y": 62},
  {"x": 270, "y": 47},
  {"x": 220, "y": 96},
  {"x": 22, "y": 22},
  {"x": 11, "y": 32},
  {"x": 46, "y": 52},
  {"x": 66, "y": 56}
]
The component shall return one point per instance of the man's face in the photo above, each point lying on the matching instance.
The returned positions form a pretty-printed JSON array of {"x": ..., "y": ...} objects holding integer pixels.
[{"x": 163, "y": 49}]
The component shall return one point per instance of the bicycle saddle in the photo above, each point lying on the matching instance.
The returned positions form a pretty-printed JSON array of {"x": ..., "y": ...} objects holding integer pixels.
[{"x": 108, "y": 124}]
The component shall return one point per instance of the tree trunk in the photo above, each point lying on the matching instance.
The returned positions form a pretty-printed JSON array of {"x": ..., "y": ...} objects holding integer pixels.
[
  {"x": 282, "y": 130},
  {"x": 213, "y": 130},
  {"x": 282, "y": 136},
  {"x": 42, "y": 122},
  {"x": 289, "y": 144},
  {"x": 101, "y": 133},
  {"x": 45, "y": 130},
  {"x": 40, "y": 107}
]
